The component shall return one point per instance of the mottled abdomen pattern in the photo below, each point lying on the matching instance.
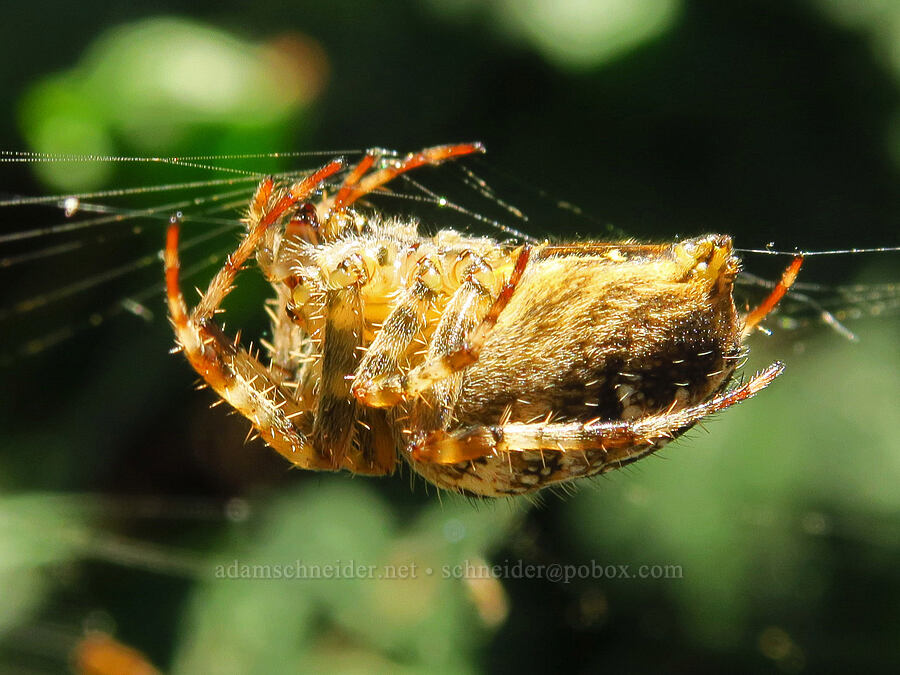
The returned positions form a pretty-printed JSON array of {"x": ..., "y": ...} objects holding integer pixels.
[{"x": 619, "y": 333}]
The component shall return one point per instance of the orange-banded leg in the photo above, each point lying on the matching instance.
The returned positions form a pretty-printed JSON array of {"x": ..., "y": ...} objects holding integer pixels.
[
  {"x": 281, "y": 419},
  {"x": 465, "y": 311},
  {"x": 377, "y": 382},
  {"x": 620, "y": 442},
  {"x": 465, "y": 321},
  {"x": 262, "y": 217},
  {"x": 788, "y": 277},
  {"x": 357, "y": 184},
  {"x": 445, "y": 362},
  {"x": 338, "y": 416}
]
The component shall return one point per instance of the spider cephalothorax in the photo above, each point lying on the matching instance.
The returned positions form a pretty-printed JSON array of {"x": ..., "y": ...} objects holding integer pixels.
[{"x": 491, "y": 368}]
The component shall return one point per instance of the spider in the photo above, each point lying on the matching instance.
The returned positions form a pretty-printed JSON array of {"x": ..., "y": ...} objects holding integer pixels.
[{"x": 491, "y": 368}]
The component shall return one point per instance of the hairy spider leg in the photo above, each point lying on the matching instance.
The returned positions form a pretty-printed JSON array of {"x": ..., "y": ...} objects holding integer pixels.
[
  {"x": 445, "y": 363},
  {"x": 237, "y": 376},
  {"x": 357, "y": 184},
  {"x": 336, "y": 414},
  {"x": 465, "y": 311},
  {"x": 335, "y": 427},
  {"x": 221, "y": 284},
  {"x": 376, "y": 382},
  {"x": 614, "y": 250},
  {"x": 341, "y": 199},
  {"x": 379, "y": 381},
  {"x": 619, "y": 442}
]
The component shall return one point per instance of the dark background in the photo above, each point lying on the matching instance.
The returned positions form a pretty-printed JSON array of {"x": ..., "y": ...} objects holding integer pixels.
[{"x": 120, "y": 492}]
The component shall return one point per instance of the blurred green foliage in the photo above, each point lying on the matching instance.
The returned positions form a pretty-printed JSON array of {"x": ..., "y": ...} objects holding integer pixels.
[
  {"x": 164, "y": 83},
  {"x": 122, "y": 494}
]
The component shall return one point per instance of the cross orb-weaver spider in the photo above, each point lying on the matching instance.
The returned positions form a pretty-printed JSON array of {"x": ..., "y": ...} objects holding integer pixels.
[{"x": 491, "y": 368}]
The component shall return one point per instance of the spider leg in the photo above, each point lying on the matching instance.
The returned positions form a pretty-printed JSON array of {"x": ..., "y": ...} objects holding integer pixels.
[
  {"x": 286, "y": 348},
  {"x": 470, "y": 303},
  {"x": 445, "y": 362},
  {"x": 336, "y": 414},
  {"x": 768, "y": 304},
  {"x": 620, "y": 442},
  {"x": 282, "y": 420},
  {"x": 377, "y": 382},
  {"x": 221, "y": 284},
  {"x": 350, "y": 437},
  {"x": 356, "y": 186},
  {"x": 343, "y": 197},
  {"x": 615, "y": 251}
]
